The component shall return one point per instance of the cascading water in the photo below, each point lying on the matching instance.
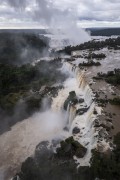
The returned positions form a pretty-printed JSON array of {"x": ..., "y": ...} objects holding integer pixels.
[
  {"x": 72, "y": 113},
  {"x": 89, "y": 135}
]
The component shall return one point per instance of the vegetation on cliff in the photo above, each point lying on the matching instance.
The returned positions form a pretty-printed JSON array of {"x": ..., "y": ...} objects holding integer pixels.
[
  {"x": 70, "y": 148},
  {"x": 115, "y": 101},
  {"x": 71, "y": 100},
  {"x": 89, "y": 63},
  {"x": 111, "y": 77},
  {"x": 20, "y": 86},
  {"x": 47, "y": 165},
  {"x": 21, "y": 48},
  {"x": 106, "y": 166},
  {"x": 93, "y": 45},
  {"x": 95, "y": 56}
]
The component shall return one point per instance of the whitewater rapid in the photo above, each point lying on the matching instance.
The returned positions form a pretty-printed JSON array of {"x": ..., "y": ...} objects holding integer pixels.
[{"x": 88, "y": 135}]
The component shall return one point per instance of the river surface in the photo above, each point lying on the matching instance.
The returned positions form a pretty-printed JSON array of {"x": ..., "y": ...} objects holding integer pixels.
[{"x": 20, "y": 142}]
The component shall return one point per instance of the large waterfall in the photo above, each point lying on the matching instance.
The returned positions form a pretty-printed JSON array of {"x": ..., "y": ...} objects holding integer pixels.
[
  {"x": 20, "y": 142},
  {"x": 89, "y": 135}
]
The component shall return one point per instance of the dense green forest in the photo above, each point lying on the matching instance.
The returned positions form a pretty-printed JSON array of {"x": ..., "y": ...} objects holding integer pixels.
[
  {"x": 111, "y": 77},
  {"x": 21, "y": 48},
  {"x": 21, "y": 85},
  {"x": 113, "y": 43},
  {"x": 104, "y": 31}
]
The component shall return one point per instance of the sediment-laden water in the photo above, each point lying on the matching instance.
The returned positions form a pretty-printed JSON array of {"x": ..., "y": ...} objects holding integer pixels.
[{"x": 20, "y": 142}]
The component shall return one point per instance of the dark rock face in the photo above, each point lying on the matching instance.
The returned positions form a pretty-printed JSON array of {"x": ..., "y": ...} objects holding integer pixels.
[
  {"x": 95, "y": 112},
  {"x": 30, "y": 170},
  {"x": 43, "y": 153},
  {"x": 53, "y": 170},
  {"x": 72, "y": 99},
  {"x": 81, "y": 100},
  {"x": 69, "y": 148},
  {"x": 47, "y": 165},
  {"x": 82, "y": 111},
  {"x": 76, "y": 130}
]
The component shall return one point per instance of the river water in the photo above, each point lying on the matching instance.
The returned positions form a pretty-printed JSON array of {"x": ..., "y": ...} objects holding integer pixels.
[{"x": 20, "y": 142}]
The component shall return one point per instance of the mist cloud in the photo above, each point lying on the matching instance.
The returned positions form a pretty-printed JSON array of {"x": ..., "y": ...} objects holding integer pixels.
[
  {"x": 46, "y": 13},
  {"x": 30, "y": 13},
  {"x": 17, "y": 3},
  {"x": 52, "y": 15}
]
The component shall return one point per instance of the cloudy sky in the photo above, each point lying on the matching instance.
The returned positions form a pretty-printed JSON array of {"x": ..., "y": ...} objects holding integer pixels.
[{"x": 40, "y": 13}]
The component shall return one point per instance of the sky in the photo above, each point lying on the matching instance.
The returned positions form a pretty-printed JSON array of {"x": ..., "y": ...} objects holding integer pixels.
[{"x": 42, "y": 13}]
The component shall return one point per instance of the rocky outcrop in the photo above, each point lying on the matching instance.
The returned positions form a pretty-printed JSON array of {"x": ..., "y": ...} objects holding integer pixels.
[
  {"x": 70, "y": 148},
  {"x": 81, "y": 100},
  {"x": 81, "y": 111},
  {"x": 72, "y": 99},
  {"x": 76, "y": 130},
  {"x": 49, "y": 165}
]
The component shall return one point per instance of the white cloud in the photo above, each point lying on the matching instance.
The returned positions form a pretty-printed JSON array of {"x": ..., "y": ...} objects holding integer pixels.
[{"x": 41, "y": 12}]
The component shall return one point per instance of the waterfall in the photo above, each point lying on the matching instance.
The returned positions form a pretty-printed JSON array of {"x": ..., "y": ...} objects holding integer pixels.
[
  {"x": 89, "y": 135},
  {"x": 88, "y": 95},
  {"x": 80, "y": 76},
  {"x": 81, "y": 88},
  {"x": 72, "y": 113}
]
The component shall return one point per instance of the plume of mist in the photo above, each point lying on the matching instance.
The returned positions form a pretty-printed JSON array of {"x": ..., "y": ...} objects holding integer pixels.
[
  {"x": 48, "y": 119},
  {"x": 19, "y": 143},
  {"x": 64, "y": 26},
  {"x": 17, "y": 3},
  {"x": 61, "y": 23},
  {"x": 58, "y": 21}
]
